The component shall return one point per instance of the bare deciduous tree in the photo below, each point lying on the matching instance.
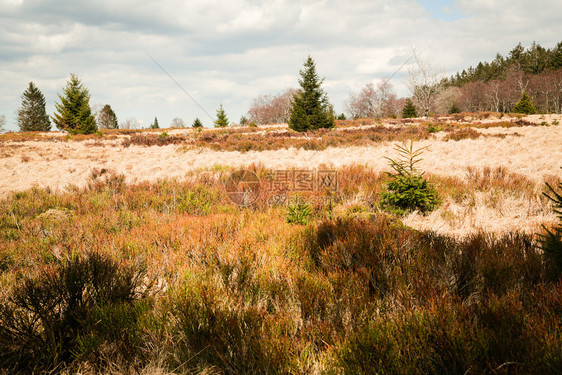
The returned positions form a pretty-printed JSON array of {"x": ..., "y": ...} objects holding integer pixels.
[
  {"x": 130, "y": 123},
  {"x": 424, "y": 83},
  {"x": 2, "y": 122},
  {"x": 268, "y": 109},
  {"x": 371, "y": 101},
  {"x": 178, "y": 123}
]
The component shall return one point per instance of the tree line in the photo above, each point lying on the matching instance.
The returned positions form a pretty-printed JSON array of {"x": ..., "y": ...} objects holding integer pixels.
[
  {"x": 75, "y": 115},
  {"x": 528, "y": 80}
]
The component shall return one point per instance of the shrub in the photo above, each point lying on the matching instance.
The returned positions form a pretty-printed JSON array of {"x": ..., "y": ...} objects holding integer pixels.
[
  {"x": 298, "y": 213},
  {"x": 71, "y": 312},
  {"x": 407, "y": 189},
  {"x": 465, "y": 133},
  {"x": 551, "y": 241}
]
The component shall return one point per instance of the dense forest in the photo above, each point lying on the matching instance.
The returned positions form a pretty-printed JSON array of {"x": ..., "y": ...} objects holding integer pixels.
[{"x": 498, "y": 85}]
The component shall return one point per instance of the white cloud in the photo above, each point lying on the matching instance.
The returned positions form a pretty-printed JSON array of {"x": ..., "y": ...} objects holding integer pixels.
[{"x": 232, "y": 51}]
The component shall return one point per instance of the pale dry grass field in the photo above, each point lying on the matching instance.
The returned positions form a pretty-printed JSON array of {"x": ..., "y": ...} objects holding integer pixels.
[{"x": 533, "y": 152}]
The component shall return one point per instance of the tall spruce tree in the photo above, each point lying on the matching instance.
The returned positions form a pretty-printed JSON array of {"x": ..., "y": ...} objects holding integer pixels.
[
  {"x": 311, "y": 109},
  {"x": 222, "y": 120},
  {"x": 32, "y": 115},
  {"x": 155, "y": 125},
  {"x": 409, "y": 110},
  {"x": 525, "y": 105},
  {"x": 74, "y": 112},
  {"x": 107, "y": 119}
]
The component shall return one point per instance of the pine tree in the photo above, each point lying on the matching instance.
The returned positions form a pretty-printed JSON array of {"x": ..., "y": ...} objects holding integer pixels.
[
  {"x": 107, "y": 119},
  {"x": 197, "y": 123},
  {"x": 155, "y": 125},
  {"x": 2, "y": 122},
  {"x": 409, "y": 110},
  {"x": 74, "y": 112},
  {"x": 32, "y": 115},
  {"x": 311, "y": 109},
  {"x": 222, "y": 120},
  {"x": 454, "y": 108},
  {"x": 525, "y": 105}
]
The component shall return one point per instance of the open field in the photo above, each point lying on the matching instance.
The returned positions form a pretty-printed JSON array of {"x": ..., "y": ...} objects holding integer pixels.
[
  {"x": 533, "y": 153},
  {"x": 123, "y": 253}
]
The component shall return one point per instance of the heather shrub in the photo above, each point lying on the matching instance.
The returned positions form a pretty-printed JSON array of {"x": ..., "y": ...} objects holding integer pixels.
[
  {"x": 72, "y": 311},
  {"x": 214, "y": 331},
  {"x": 464, "y": 133},
  {"x": 550, "y": 242}
]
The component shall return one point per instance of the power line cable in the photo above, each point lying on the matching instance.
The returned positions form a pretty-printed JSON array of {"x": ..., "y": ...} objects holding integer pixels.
[{"x": 176, "y": 82}]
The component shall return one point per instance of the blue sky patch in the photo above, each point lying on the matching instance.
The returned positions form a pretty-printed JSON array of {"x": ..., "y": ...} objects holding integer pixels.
[{"x": 445, "y": 10}]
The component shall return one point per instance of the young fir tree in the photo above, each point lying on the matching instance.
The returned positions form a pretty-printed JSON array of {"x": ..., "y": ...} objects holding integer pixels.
[
  {"x": 32, "y": 115},
  {"x": 525, "y": 105},
  {"x": 74, "y": 112},
  {"x": 155, "y": 125},
  {"x": 409, "y": 110},
  {"x": 197, "y": 123},
  {"x": 311, "y": 109},
  {"x": 222, "y": 120},
  {"x": 454, "y": 108},
  {"x": 107, "y": 119}
]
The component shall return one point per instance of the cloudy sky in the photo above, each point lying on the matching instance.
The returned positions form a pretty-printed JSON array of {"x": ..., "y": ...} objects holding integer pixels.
[{"x": 229, "y": 52}]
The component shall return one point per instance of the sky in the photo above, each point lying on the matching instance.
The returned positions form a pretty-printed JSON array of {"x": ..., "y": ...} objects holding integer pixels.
[{"x": 231, "y": 51}]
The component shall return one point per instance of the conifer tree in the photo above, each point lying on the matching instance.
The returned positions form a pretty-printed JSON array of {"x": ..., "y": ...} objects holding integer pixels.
[
  {"x": 155, "y": 125},
  {"x": 197, "y": 123},
  {"x": 222, "y": 120},
  {"x": 2, "y": 122},
  {"x": 32, "y": 115},
  {"x": 409, "y": 110},
  {"x": 454, "y": 108},
  {"x": 74, "y": 112},
  {"x": 311, "y": 109},
  {"x": 525, "y": 105},
  {"x": 107, "y": 119}
]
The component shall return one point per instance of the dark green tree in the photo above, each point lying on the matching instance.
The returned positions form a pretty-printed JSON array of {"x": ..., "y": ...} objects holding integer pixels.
[
  {"x": 155, "y": 125},
  {"x": 311, "y": 109},
  {"x": 525, "y": 105},
  {"x": 197, "y": 123},
  {"x": 409, "y": 110},
  {"x": 222, "y": 120},
  {"x": 74, "y": 114},
  {"x": 32, "y": 115},
  {"x": 107, "y": 119},
  {"x": 454, "y": 108}
]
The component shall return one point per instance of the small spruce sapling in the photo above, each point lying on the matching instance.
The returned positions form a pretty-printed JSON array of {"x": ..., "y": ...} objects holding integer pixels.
[{"x": 407, "y": 189}]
